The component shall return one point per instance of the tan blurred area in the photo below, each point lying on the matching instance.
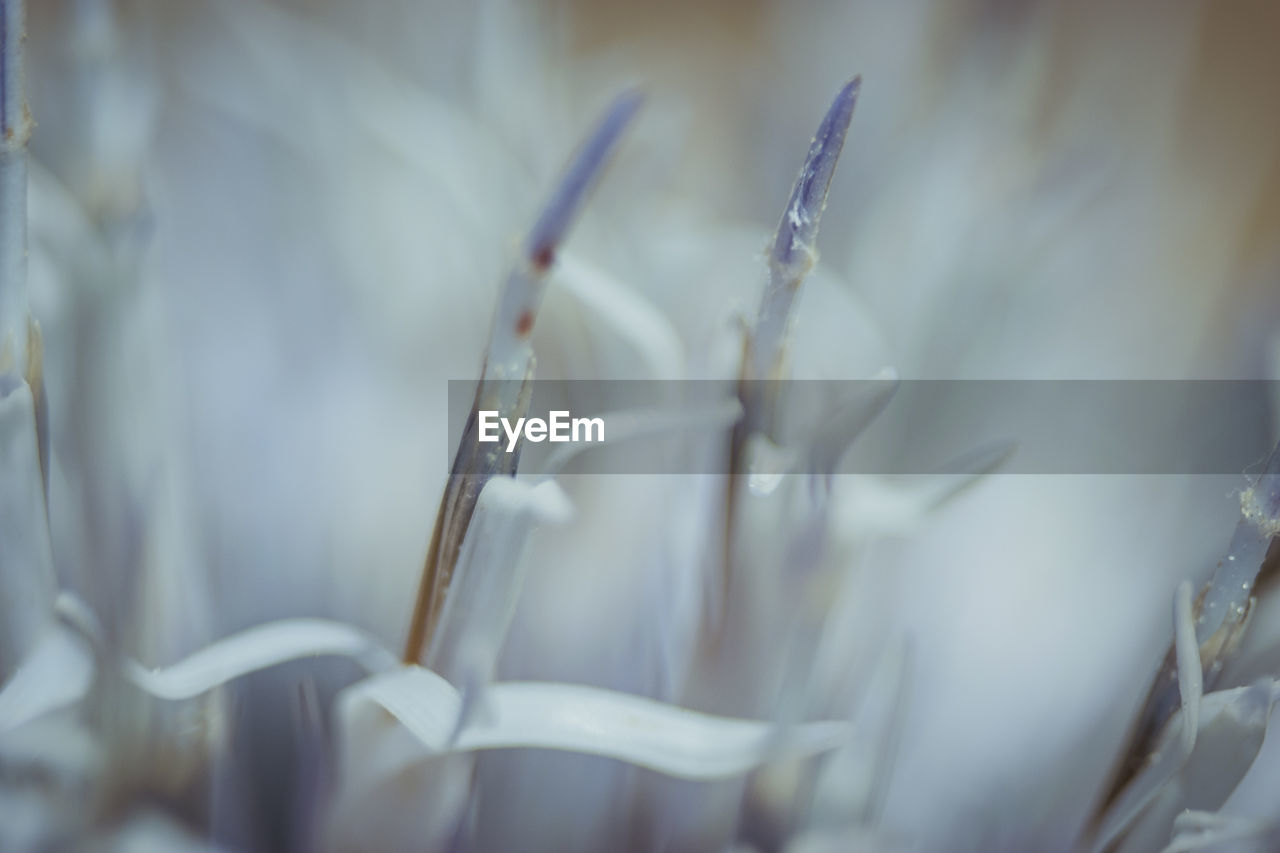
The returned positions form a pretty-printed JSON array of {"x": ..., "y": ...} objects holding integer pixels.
[
  {"x": 1217, "y": 115},
  {"x": 1232, "y": 119},
  {"x": 1187, "y": 90}
]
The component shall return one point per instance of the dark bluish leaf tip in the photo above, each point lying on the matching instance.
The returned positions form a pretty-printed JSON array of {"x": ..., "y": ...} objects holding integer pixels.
[
  {"x": 799, "y": 225},
  {"x": 587, "y": 164}
]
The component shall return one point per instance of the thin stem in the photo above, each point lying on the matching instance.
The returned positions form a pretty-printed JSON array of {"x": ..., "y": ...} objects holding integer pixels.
[
  {"x": 1226, "y": 597},
  {"x": 26, "y": 570},
  {"x": 15, "y": 128},
  {"x": 13, "y": 107},
  {"x": 791, "y": 256},
  {"x": 508, "y": 367}
]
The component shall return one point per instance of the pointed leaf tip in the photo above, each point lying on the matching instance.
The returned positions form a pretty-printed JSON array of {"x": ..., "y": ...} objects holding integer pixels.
[
  {"x": 587, "y": 164},
  {"x": 799, "y": 226}
]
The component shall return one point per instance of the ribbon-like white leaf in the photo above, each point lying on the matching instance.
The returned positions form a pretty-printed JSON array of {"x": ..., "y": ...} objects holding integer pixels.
[
  {"x": 255, "y": 649},
  {"x": 574, "y": 718}
]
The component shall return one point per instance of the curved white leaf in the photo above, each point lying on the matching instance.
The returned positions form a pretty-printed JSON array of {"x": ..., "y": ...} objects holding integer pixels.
[
  {"x": 574, "y": 718},
  {"x": 258, "y": 648}
]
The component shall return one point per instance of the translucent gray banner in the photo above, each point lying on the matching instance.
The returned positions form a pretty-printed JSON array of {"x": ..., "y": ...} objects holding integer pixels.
[{"x": 919, "y": 426}]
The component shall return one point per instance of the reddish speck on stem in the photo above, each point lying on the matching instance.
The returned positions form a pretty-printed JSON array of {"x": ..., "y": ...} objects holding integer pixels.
[
  {"x": 543, "y": 258},
  {"x": 524, "y": 324}
]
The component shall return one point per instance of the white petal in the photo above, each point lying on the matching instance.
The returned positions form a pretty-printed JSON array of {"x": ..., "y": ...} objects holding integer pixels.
[
  {"x": 255, "y": 649},
  {"x": 574, "y": 718}
]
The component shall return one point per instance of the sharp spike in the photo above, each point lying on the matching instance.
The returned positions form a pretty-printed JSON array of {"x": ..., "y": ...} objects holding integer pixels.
[
  {"x": 798, "y": 230},
  {"x": 15, "y": 128},
  {"x": 587, "y": 164},
  {"x": 792, "y": 254},
  {"x": 794, "y": 251},
  {"x": 508, "y": 367},
  {"x": 508, "y": 353}
]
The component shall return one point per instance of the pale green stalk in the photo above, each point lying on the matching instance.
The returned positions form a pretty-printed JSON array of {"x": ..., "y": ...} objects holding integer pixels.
[{"x": 15, "y": 129}]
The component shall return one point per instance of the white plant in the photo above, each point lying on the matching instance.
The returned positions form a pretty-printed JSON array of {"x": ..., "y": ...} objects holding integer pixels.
[{"x": 662, "y": 662}]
